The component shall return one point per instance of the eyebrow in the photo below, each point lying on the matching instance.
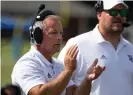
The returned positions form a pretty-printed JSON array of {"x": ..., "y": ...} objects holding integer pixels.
[{"x": 53, "y": 30}]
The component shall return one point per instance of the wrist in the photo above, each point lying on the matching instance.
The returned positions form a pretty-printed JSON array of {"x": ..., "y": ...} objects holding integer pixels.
[
  {"x": 68, "y": 70},
  {"x": 88, "y": 79}
]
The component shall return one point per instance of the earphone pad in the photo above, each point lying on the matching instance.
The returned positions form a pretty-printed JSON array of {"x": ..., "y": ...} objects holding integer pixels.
[
  {"x": 38, "y": 35},
  {"x": 98, "y": 6}
]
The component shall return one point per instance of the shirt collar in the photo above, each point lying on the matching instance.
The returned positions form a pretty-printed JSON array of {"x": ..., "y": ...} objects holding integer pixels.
[
  {"x": 96, "y": 35},
  {"x": 122, "y": 41},
  {"x": 41, "y": 57}
]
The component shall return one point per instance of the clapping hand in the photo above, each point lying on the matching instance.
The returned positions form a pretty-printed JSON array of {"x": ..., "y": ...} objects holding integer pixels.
[
  {"x": 70, "y": 58},
  {"x": 94, "y": 71}
]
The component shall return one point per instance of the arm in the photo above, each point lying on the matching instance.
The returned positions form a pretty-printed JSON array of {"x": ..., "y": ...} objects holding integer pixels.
[
  {"x": 57, "y": 86},
  {"x": 54, "y": 87},
  {"x": 85, "y": 87}
]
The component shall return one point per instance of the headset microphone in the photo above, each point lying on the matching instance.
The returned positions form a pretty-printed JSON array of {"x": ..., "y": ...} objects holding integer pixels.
[
  {"x": 42, "y": 6},
  {"x": 126, "y": 24}
]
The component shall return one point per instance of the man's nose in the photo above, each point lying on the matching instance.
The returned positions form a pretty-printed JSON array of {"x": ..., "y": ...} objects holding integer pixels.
[
  {"x": 60, "y": 37},
  {"x": 118, "y": 15}
]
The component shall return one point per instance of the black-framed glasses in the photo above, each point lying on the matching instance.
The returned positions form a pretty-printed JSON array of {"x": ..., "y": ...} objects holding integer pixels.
[{"x": 114, "y": 12}]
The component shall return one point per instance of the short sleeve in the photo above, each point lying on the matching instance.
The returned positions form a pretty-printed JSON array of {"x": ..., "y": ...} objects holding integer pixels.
[{"x": 27, "y": 74}]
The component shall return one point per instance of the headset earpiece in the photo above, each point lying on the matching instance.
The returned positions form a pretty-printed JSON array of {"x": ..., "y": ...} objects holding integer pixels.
[
  {"x": 99, "y": 6},
  {"x": 38, "y": 35}
]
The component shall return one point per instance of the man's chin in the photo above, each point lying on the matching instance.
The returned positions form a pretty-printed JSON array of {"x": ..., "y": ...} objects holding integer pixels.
[
  {"x": 116, "y": 29},
  {"x": 57, "y": 49}
]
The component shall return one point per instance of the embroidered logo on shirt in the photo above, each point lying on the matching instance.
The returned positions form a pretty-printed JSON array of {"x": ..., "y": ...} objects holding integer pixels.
[
  {"x": 53, "y": 69},
  {"x": 103, "y": 57},
  {"x": 49, "y": 76},
  {"x": 130, "y": 58}
]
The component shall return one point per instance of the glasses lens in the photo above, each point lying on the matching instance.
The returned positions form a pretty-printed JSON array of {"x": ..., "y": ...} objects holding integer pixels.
[
  {"x": 124, "y": 12},
  {"x": 113, "y": 12}
]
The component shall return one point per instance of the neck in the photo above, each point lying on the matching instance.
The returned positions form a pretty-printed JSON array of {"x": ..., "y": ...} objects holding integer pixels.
[
  {"x": 44, "y": 52},
  {"x": 112, "y": 37}
]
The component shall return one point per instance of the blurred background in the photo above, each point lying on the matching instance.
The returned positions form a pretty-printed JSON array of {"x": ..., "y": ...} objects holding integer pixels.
[{"x": 16, "y": 17}]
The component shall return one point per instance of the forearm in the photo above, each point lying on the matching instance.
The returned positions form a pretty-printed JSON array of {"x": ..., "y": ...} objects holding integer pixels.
[
  {"x": 84, "y": 88},
  {"x": 56, "y": 86}
]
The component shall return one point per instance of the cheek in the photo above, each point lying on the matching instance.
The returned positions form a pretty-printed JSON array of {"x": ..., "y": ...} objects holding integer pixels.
[
  {"x": 47, "y": 41},
  {"x": 124, "y": 19},
  {"x": 107, "y": 18},
  {"x": 108, "y": 21}
]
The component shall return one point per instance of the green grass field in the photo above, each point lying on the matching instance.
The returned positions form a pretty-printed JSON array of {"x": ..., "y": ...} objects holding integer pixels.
[{"x": 7, "y": 61}]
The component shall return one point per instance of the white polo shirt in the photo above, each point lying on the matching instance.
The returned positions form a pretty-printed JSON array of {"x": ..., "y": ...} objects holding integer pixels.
[
  {"x": 33, "y": 69},
  {"x": 117, "y": 79}
]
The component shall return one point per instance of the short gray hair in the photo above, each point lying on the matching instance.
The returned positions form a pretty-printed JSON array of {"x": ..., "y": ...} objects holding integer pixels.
[
  {"x": 42, "y": 24},
  {"x": 39, "y": 24}
]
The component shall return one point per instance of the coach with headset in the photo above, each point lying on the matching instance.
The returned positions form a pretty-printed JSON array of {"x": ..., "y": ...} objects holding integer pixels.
[
  {"x": 38, "y": 73},
  {"x": 106, "y": 45}
]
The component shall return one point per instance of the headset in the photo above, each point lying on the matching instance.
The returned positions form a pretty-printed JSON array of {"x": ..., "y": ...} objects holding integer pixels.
[
  {"x": 36, "y": 34},
  {"x": 98, "y": 6}
]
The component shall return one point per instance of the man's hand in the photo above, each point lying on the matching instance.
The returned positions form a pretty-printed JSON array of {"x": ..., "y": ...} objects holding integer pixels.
[
  {"x": 94, "y": 71},
  {"x": 70, "y": 58}
]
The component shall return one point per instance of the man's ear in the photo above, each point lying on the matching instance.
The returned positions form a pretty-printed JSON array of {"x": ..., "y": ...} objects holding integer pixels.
[{"x": 99, "y": 15}]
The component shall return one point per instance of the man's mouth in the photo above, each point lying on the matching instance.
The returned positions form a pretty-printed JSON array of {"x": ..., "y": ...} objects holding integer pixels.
[
  {"x": 58, "y": 44},
  {"x": 120, "y": 23},
  {"x": 117, "y": 22}
]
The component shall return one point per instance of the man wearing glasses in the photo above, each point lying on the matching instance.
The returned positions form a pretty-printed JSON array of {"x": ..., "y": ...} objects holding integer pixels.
[{"x": 106, "y": 43}]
